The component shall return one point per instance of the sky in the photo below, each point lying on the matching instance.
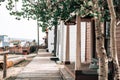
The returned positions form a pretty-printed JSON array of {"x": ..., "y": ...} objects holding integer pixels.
[{"x": 17, "y": 28}]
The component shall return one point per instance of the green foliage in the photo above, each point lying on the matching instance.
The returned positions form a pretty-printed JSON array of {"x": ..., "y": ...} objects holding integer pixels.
[
  {"x": 10, "y": 5},
  {"x": 1, "y": 1},
  {"x": 50, "y": 13},
  {"x": 117, "y": 8},
  {"x": 105, "y": 11}
]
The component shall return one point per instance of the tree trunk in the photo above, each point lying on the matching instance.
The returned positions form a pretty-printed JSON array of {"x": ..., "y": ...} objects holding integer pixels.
[
  {"x": 100, "y": 49},
  {"x": 113, "y": 40},
  {"x": 101, "y": 52}
]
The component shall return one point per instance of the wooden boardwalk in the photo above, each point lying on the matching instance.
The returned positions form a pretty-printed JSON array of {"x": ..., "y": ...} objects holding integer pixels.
[{"x": 40, "y": 68}]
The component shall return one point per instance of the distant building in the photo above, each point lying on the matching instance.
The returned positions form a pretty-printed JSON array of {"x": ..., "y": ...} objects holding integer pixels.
[{"x": 4, "y": 40}]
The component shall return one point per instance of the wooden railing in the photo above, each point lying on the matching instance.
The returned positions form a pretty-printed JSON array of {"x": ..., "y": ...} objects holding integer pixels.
[{"x": 4, "y": 53}]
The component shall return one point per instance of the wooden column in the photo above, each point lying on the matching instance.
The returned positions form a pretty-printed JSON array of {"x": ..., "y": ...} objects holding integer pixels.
[
  {"x": 67, "y": 57},
  {"x": 78, "y": 49},
  {"x": 78, "y": 44}
]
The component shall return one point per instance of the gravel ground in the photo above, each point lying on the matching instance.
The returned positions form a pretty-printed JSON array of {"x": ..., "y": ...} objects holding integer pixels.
[{"x": 13, "y": 71}]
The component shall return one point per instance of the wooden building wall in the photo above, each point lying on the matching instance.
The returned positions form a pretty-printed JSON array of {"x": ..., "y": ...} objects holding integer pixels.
[
  {"x": 88, "y": 42},
  {"x": 118, "y": 41}
]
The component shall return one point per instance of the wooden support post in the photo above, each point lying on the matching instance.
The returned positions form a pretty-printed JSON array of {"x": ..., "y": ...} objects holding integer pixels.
[
  {"x": 67, "y": 57},
  {"x": 62, "y": 40},
  {"x": 5, "y": 66},
  {"x": 78, "y": 49},
  {"x": 4, "y": 53},
  {"x": 78, "y": 44},
  {"x": 38, "y": 36}
]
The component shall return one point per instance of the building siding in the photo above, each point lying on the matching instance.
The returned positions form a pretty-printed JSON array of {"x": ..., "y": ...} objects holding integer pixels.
[
  {"x": 72, "y": 43},
  {"x": 118, "y": 41},
  {"x": 51, "y": 40}
]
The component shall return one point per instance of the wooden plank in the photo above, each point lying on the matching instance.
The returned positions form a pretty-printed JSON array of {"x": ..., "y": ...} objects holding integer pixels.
[{"x": 4, "y": 52}]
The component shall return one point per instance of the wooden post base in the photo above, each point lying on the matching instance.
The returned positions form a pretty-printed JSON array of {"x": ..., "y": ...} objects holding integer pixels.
[
  {"x": 67, "y": 62},
  {"x": 81, "y": 75}
]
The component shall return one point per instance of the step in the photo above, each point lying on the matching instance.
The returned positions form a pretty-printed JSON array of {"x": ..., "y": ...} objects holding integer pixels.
[{"x": 65, "y": 75}]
